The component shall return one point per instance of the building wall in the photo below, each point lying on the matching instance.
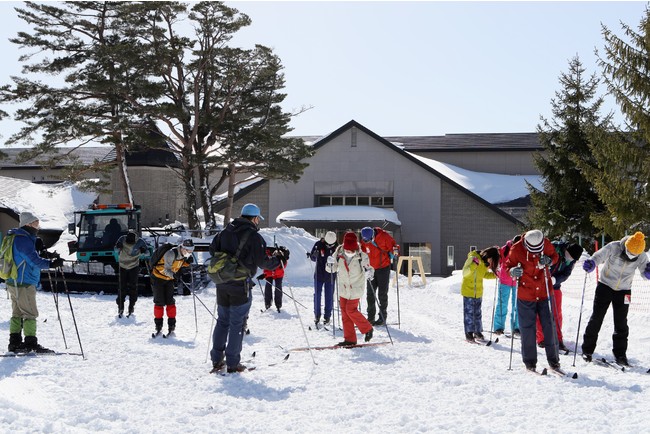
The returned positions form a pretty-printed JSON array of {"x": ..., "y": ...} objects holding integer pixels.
[
  {"x": 502, "y": 162},
  {"x": 467, "y": 222},
  {"x": 416, "y": 192},
  {"x": 157, "y": 190}
]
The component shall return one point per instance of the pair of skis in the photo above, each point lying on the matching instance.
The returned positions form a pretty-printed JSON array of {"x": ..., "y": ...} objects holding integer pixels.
[
  {"x": 555, "y": 371},
  {"x": 154, "y": 335},
  {"x": 35, "y": 354},
  {"x": 223, "y": 372}
]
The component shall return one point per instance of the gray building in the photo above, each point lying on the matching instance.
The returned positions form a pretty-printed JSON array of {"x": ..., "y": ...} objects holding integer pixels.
[{"x": 440, "y": 220}]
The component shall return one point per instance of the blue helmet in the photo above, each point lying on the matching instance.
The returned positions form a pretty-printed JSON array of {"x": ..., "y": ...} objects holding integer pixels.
[
  {"x": 367, "y": 234},
  {"x": 251, "y": 210}
]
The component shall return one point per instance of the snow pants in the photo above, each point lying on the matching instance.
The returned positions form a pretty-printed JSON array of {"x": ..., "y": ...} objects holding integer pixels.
[
  {"x": 472, "y": 317},
  {"x": 350, "y": 316},
  {"x": 528, "y": 312},
  {"x": 620, "y": 301},
  {"x": 128, "y": 286},
  {"x": 163, "y": 299},
  {"x": 326, "y": 286},
  {"x": 268, "y": 292},
  {"x": 506, "y": 293},
  {"x": 378, "y": 283},
  {"x": 23, "y": 309},
  {"x": 556, "y": 304},
  {"x": 233, "y": 306}
]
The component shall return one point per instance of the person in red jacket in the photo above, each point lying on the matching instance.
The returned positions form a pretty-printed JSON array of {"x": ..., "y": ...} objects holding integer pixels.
[
  {"x": 379, "y": 246},
  {"x": 273, "y": 280},
  {"x": 528, "y": 262}
]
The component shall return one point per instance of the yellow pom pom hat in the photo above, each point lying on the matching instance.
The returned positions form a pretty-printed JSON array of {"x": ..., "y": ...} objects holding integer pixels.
[{"x": 636, "y": 243}]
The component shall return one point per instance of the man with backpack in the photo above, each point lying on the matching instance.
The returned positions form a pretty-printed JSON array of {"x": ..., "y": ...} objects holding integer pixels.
[
  {"x": 379, "y": 246},
  {"x": 21, "y": 285},
  {"x": 129, "y": 248},
  {"x": 166, "y": 263},
  {"x": 241, "y": 240}
]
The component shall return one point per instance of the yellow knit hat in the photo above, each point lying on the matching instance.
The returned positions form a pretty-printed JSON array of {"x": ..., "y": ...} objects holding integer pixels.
[{"x": 636, "y": 243}]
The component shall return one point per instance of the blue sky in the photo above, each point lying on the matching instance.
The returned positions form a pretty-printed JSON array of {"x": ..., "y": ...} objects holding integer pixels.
[{"x": 417, "y": 68}]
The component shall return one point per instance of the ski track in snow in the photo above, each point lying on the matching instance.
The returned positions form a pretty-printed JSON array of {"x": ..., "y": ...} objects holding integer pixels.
[{"x": 431, "y": 380}]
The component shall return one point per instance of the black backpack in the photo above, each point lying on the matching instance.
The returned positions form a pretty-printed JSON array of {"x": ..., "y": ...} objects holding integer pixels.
[{"x": 159, "y": 253}]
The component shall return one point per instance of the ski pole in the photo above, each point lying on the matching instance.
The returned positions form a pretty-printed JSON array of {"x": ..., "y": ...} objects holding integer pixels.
[
  {"x": 380, "y": 314},
  {"x": 399, "y": 322},
  {"x": 196, "y": 320},
  {"x": 214, "y": 318},
  {"x": 56, "y": 304},
  {"x": 551, "y": 311},
  {"x": 207, "y": 353},
  {"x": 284, "y": 293},
  {"x": 331, "y": 311},
  {"x": 512, "y": 336},
  {"x": 496, "y": 287},
  {"x": 582, "y": 302},
  {"x": 295, "y": 303},
  {"x": 74, "y": 320}
]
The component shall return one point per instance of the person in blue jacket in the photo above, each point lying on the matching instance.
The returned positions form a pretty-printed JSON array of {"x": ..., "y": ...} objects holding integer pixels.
[
  {"x": 322, "y": 249},
  {"x": 22, "y": 289}
]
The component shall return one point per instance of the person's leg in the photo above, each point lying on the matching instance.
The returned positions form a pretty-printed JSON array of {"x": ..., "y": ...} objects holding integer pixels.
[
  {"x": 557, "y": 313},
  {"x": 220, "y": 332},
  {"x": 501, "y": 310},
  {"x": 278, "y": 293},
  {"x": 238, "y": 316},
  {"x": 370, "y": 299},
  {"x": 382, "y": 276},
  {"x": 318, "y": 289},
  {"x": 527, "y": 312},
  {"x": 620, "y": 307},
  {"x": 357, "y": 317},
  {"x": 550, "y": 345},
  {"x": 329, "y": 300},
  {"x": 602, "y": 300},
  {"x": 349, "y": 335},
  {"x": 133, "y": 287},
  {"x": 268, "y": 292}
]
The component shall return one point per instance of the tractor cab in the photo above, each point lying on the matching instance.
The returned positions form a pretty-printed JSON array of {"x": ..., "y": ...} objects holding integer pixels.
[{"x": 99, "y": 227}]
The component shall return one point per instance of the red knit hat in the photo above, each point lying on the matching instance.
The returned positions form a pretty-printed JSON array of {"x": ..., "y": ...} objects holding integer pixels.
[{"x": 350, "y": 241}]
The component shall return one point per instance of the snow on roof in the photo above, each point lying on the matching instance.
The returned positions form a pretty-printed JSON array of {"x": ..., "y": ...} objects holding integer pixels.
[
  {"x": 492, "y": 187},
  {"x": 53, "y": 204},
  {"x": 245, "y": 183},
  {"x": 339, "y": 213}
]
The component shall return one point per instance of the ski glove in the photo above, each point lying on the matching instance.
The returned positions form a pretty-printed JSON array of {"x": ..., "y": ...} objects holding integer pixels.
[
  {"x": 545, "y": 260},
  {"x": 260, "y": 277},
  {"x": 189, "y": 259},
  {"x": 331, "y": 260},
  {"x": 58, "y": 262},
  {"x": 589, "y": 265},
  {"x": 516, "y": 272},
  {"x": 370, "y": 274},
  {"x": 646, "y": 272}
]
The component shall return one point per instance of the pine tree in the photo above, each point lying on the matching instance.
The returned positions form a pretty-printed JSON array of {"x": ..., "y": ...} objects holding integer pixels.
[
  {"x": 621, "y": 167},
  {"x": 564, "y": 207}
]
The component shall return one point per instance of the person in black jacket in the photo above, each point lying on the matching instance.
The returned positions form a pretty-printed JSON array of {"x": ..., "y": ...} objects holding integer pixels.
[
  {"x": 234, "y": 297},
  {"x": 323, "y": 249}
]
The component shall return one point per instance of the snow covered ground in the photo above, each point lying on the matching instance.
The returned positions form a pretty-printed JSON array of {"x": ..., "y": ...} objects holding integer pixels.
[{"x": 430, "y": 380}]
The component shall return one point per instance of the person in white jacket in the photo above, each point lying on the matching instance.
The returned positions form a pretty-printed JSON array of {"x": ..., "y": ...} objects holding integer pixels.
[
  {"x": 620, "y": 260},
  {"x": 353, "y": 268}
]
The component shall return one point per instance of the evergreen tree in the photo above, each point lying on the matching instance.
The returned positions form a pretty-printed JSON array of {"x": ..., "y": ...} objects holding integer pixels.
[
  {"x": 568, "y": 200},
  {"x": 81, "y": 102},
  {"x": 621, "y": 167}
]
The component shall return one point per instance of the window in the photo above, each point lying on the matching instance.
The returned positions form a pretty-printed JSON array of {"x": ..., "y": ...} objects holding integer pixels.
[
  {"x": 450, "y": 257},
  {"x": 423, "y": 250},
  {"x": 377, "y": 201}
]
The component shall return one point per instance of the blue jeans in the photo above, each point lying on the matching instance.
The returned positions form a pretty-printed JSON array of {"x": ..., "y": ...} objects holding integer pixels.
[{"x": 229, "y": 331}]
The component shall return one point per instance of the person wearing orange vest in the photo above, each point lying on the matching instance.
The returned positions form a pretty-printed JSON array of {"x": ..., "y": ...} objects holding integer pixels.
[
  {"x": 162, "y": 283},
  {"x": 379, "y": 246}
]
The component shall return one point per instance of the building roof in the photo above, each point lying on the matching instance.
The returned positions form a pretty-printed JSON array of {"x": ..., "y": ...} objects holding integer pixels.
[
  {"x": 85, "y": 155},
  {"x": 415, "y": 160},
  {"x": 469, "y": 142}
]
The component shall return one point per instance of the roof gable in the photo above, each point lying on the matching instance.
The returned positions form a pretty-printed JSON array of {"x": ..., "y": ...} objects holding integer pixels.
[{"x": 414, "y": 160}]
